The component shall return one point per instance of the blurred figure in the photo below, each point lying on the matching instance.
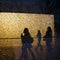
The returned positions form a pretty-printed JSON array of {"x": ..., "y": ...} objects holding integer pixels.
[
  {"x": 48, "y": 40},
  {"x": 27, "y": 41},
  {"x": 39, "y": 40}
]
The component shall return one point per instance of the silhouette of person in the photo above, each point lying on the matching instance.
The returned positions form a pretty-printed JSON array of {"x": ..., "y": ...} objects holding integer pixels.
[
  {"x": 27, "y": 44},
  {"x": 39, "y": 40},
  {"x": 48, "y": 40}
]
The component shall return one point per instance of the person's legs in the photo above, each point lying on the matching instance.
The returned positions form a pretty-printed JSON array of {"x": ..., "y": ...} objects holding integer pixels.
[
  {"x": 49, "y": 52},
  {"x": 47, "y": 55},
  {"x": 30, "y": 49},
  {"x": 24, "y": 53},
  {"x": 38, "y": 44},
  {"x": 37, "y": 47}
]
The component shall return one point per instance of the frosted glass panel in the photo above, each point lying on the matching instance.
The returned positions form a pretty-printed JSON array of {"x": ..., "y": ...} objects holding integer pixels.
[{"x": 13, "y": 24}]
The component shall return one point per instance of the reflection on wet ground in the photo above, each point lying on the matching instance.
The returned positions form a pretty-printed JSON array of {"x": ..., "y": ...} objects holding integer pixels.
[
  {"x": 10, "y": 49},
  {"x": 14, "y": 53},
  {"x": 7, "y": 53}
]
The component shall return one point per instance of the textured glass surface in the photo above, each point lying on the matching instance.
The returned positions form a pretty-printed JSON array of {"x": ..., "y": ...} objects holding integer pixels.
[{"x": 13, "y": 24}]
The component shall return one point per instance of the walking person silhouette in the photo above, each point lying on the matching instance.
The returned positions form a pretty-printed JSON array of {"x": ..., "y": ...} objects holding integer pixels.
[
  {"x": 26, "y": 44},
  {"x": 39, "y": 40},
  {"x": 48, "y": 40}
]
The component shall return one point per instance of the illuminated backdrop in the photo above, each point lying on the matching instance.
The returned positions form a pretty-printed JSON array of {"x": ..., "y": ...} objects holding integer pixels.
[{"x": 13, "y": 24}]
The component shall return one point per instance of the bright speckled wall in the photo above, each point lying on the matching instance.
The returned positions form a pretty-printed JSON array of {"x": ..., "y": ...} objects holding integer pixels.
[{"x": 13, "y": 24}]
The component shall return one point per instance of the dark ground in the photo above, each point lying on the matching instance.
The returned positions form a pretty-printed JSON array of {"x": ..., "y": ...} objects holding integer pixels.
[{"x": 7, "y": 53}]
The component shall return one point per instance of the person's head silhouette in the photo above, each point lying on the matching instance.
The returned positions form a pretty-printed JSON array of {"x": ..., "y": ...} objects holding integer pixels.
[
  {"x": 38, "y": 31},
  {"x": 26, "y": 31},
  {"x": 49, "y": 28}
]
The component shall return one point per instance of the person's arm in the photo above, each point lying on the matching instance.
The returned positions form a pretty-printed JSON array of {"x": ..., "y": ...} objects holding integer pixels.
[{"x": 22, "y": 38}]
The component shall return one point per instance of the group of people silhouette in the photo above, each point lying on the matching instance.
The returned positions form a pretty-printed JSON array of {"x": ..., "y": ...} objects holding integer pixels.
[{"x": 27, "y": 41}]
